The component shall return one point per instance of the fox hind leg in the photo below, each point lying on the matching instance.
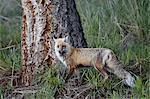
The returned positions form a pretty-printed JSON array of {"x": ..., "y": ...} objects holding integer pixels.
[
  {"x": 100, "y": 68},
  {"x": 103, "y": 72}
]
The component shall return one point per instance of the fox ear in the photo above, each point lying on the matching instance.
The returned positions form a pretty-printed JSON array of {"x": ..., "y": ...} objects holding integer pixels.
[
  {"x": 66, "y": 39},
  {"x": 54, "y": 38}
]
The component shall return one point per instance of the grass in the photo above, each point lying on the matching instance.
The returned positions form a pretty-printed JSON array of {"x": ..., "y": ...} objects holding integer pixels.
[
  {"x": 10, "y": 38},
  {"x": 121, "y": 25}
]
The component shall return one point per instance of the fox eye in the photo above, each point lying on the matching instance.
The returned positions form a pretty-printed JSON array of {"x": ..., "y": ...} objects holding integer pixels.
[{"x": 63, "y": 46}]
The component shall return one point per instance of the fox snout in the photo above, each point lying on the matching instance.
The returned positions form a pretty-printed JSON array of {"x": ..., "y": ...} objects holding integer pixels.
[{"x": 62, "y": 52}]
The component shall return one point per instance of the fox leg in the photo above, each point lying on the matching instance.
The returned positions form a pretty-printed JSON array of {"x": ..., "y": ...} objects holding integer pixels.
[
  {"x": 100, "y": 68},
  {"x": 103, "y": 72},
  {"x": 71, "y": 70}
]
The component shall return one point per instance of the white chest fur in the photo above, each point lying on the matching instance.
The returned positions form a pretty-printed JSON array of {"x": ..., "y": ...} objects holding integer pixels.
[{"x": 60, "y": 58}]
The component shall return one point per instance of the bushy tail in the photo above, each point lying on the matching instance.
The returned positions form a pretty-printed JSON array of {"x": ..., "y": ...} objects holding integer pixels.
[
  {"x": 128, "y": 79},
  {"x": 116, "y": 67}
]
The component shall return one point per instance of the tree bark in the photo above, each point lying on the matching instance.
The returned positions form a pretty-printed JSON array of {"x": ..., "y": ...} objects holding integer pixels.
[{"x": 40, "y": 22}]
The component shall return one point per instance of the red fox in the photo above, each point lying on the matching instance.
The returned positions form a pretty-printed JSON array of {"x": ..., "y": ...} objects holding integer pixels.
[{"x": 101, "y": 59}]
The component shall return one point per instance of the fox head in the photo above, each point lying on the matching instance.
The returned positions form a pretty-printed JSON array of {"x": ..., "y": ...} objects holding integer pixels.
[{"x": 62, "y": 46}]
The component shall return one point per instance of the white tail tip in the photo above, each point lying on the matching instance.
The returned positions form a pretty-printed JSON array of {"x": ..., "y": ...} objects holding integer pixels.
[{"x": 130, "y": 81}]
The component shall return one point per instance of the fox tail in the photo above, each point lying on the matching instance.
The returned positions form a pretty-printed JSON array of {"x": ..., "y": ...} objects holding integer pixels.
[{"x": 116, "y": 67}]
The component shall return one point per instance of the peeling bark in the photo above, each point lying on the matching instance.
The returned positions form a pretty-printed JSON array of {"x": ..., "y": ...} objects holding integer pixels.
[{"x": 40, "y": 22}]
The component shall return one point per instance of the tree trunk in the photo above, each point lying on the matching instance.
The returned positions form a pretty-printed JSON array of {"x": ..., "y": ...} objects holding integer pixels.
[{"x": 40, "y": 22}]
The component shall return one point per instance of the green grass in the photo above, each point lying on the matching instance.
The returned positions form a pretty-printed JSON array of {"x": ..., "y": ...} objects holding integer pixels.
[
  {"x": 10, "y": 54},
  {"x": 121, "y": 25},
  {"x": 10, "y": 38},
  {"x": 49, "y": 81}
]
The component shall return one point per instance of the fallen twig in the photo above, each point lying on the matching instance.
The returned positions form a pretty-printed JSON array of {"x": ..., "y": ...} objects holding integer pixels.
[
  {"x": 81, "y": 92},
  {"x": 7, "y": 47},
  {"x": 20, "y": 92},
  {"x": 9, "y": 77},
  {"x": 4, "y": 18},
  {"x": 117, "y": 84},
  {"x": 25, "y": 91}
]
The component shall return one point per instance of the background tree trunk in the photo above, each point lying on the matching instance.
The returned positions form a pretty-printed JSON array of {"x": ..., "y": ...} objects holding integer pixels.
[{"x": 40, "y": 22}]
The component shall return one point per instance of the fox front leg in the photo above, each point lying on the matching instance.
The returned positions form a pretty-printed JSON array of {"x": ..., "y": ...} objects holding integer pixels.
[{"x": 70, "y": 72}]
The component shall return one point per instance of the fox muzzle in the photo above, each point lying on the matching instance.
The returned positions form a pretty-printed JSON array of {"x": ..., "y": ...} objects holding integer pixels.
[{"x": 62, "y": 52}]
